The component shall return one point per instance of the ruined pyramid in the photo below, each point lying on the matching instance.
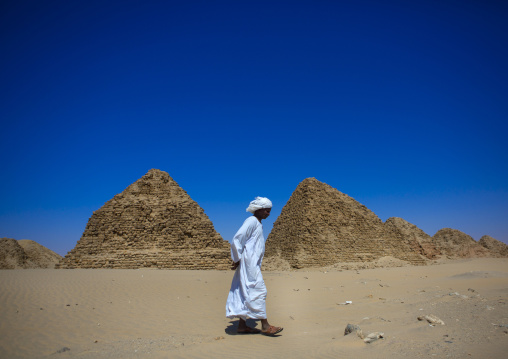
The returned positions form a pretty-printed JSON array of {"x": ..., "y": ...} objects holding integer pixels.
[
  {"x": 12, "y": 255},
  {"x": 38, "y": 255},
  {"x": 25, "y": 254},
  {"x": 496, "y": 248},
  {"x": 456, "y": 244},
  {"x": 152, "y": 223},
  {"x": 418, "y": 240},
  {"x": 321, "y": 226}
]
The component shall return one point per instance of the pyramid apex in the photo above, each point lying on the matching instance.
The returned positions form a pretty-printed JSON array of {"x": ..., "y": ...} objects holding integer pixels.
[
  {"x": 396, "y": 220},
  {"x": 156, "y": 172},
  {"x": 311, "y": 180}
]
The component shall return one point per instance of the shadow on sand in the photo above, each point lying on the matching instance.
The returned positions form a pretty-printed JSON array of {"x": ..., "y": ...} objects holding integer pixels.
[{"x": 233, "y": 326}]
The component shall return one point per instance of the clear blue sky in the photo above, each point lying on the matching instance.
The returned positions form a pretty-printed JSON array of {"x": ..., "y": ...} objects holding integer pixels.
[{"x": 403, "y": 105}]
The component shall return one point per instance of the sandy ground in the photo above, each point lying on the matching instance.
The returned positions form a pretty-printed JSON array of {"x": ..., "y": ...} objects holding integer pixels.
[{"x": 180, "y": 314}]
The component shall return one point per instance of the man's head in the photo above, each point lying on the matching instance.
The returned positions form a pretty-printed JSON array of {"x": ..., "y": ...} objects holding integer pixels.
[
  {"x": 262, "y": 213},
  {"x": 259, "y": 203}
]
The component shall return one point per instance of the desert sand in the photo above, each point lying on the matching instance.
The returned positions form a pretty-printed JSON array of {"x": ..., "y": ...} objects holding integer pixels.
[{"x": 101, "y": 313}]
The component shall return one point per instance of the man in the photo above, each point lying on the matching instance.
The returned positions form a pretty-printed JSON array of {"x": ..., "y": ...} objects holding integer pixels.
[{"x": 247, "y": 295}]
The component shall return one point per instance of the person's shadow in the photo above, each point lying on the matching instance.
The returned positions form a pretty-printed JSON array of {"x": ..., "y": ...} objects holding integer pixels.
[{"x": 233, "y": 326}]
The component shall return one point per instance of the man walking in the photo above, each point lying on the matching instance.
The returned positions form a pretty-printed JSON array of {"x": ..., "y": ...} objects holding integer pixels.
[{"x": 247, "y": 296}]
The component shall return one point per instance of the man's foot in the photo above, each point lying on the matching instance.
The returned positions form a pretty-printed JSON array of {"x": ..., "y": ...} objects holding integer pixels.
[
  {"x": 248, "y": 330},
  {"x": 271, "y": 331}
]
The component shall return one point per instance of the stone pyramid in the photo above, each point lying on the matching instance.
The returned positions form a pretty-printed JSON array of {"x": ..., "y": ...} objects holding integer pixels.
[
  {"x": 38, "y": 255},
  {"x": 418, "y": 240},
  {"x": 321, "y": 226},
  {"x": 12, "y": 255},
  {"x": 24, "y": 254},
  {"x": 456, "y": 244},
  {"x": 496, "y": 248},
  {"x": 152, "y": 223}
]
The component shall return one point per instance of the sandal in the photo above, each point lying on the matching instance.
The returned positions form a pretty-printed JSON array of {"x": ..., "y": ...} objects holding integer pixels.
[{"x": 271, "y": 331}]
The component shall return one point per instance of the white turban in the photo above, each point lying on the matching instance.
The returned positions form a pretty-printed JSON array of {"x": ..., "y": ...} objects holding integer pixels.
[{"x": 259, "y": 203}]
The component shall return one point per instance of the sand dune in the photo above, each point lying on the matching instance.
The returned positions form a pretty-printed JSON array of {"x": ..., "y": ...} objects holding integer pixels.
[{"x": 180, "y": 314}]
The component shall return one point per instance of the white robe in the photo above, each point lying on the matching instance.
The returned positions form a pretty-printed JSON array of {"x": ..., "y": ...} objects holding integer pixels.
[{"x": 247, "y": 295}]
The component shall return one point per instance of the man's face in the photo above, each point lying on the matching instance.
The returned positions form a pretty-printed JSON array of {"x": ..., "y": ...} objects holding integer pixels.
[{"x": 264, "y": 212}]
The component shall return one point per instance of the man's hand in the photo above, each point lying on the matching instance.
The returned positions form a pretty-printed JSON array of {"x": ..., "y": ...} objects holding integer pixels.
[{"x": 235, "y": 265}]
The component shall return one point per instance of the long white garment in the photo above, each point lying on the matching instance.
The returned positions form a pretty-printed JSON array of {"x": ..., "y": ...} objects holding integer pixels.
[{"x": 247, "y": 295}]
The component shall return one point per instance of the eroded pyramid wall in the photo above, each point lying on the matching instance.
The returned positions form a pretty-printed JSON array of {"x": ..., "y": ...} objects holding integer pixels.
[
  {"x": 496, "y": 248},
  {"x": 38, "y": 255},
  {"x": 152, "y": 223},
  {"x": 419, "y": 241},
  {"x": 12, "y": 255},
  {"x": 26, "y": 254},
  {"x": 456, "y": 244},
  {"x": 321, "y": 226}
]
